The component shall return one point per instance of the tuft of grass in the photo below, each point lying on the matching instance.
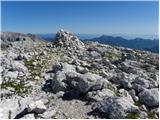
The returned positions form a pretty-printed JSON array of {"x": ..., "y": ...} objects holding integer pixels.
[
  {"x": 132, "y": 115},
  {"x": 137, "y": 103},
  {"x": 34, "y": 70},
  {"x": 19, "y": 88},
  {"x": 110, "y": 55},
  {"x": 117, "y": 93},
  {"x": 151, "y": 115},
  {"x": 29, "y": 64}
]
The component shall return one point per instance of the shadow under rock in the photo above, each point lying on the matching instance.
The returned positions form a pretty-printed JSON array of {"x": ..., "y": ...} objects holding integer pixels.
[
  {"x": 73, "y": 94},
  {"x": 97, "y": 114},
  {"x": 47, "y": 86},
  {"x": 22, "y": 114}
]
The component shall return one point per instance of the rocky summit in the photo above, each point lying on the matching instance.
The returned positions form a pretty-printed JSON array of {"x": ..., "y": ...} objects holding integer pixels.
[{"x": 68, "y": 78}]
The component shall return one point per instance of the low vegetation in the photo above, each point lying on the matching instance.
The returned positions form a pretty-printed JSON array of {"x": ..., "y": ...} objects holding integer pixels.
[
  {"x": 19, "y": 88},
  {"x": 132, "y": 115}
]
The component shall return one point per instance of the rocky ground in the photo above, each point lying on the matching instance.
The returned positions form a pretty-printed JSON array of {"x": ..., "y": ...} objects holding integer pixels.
[{"x": 71, "y": 79}]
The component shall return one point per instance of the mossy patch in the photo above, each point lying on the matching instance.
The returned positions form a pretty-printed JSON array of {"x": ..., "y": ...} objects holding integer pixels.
[
  {"x": 132, "y": 115},
  {"x": 19, "y": 88},
  {"x": 112, "y": 55},
  {"x": 137, "y": 103},
  {"x": 151, "y": 115},
  {"x": 34, "y": 70}
]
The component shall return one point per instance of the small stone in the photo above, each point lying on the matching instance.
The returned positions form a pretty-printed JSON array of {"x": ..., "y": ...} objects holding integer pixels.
[
  {"x": 136, "y": 98},
  {"x": 34, "y": 63},
  {"x": 142, "y": 115},
  {"x": 45, "y": 101},
  {"x": 37, "y": 107},
  {"x": 143, "y": 107},
  {"x": 81, "y": 70},
  {"x": 43, "y": 53},
  {"x": 37, "y": 78}
]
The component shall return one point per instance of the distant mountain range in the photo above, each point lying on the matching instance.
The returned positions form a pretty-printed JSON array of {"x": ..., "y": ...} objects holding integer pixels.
[
  {"x": 137, "y": 43},
  {"x": 151, "y": 45},
  {"x": 83, "y": 36}
]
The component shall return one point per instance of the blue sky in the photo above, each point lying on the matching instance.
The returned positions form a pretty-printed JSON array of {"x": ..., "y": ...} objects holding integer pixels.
[{"x": 81, "y": 17}]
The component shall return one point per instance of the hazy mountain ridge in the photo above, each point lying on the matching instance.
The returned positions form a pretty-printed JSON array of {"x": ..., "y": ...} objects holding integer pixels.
[{"x": 137, "y": 43}]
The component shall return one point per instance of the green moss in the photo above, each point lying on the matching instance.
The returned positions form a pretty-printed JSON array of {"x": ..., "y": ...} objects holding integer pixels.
[
  {"x": 33, "y": 70},
  {"x": 110, "y": 55},
  {"x": 118, "y": 94},
  {"x": 151, "y": 115},
  {"x": 137, "y": 103},
  {"x": 145, "y": 67},
  {"x": 154, "y": 62},
  {"x": 19, "y": 88},
  {"x": 132, "y": 115},
  {"x": 29, "y": 64}
]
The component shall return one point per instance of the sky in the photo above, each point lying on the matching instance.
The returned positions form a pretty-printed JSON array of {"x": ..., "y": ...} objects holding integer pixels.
[{"x": 80, "y": 17}]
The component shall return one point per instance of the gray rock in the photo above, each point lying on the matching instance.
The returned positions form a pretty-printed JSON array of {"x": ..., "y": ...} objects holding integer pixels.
[
  {"x": 28, "y": 116},
  {"x": 95, "y": 54},
  {"x": 100, "y": 94},
  {"x": 149, "y": 97},
  {"x": 56, "y": 67},
  {"x": 48, "y": 114},
  {"x": 143, "y": 115},
  {"x": 11, "y": 55},
  {"x": 43, "y": 53},
  {"x": 11, "y": 74},
  {"x": 22, "y": 57},
  {"x": 138, "y": 88},
  {"x": 143, "y": 108},
  {"x": 67, "y": 67},
  {"x": 125, "y": 84},
  {"x": 58, "y": 82},
  {"x": 136, "y": 98},
  {"x": 116, "y": 107},
  {"x": 17, "y": 66},
  {"x": 9, "y": 108},
  {"x": 86, "y": 82},
  {"x": 81, "y": 70},
  {"x": 124, "y": 93},
  {"x": 141, "y": 81}
]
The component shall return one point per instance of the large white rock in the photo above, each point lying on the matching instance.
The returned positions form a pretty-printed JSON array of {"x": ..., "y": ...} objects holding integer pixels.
[
  {"x": 11, "y": 74},
  {"x": 58, "y": 82},
  {"x": 86, "y": 82},
  {"x": 9, "y": 108},
  {"x": 116, "y": 107},
  {"x": 68, "y": 67},
  {"x": 18, "y": 66},
  {"x": 100, "y": 94},
  {"x": 37, "y": 107},
  {"x": 149, "y": 97}
]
